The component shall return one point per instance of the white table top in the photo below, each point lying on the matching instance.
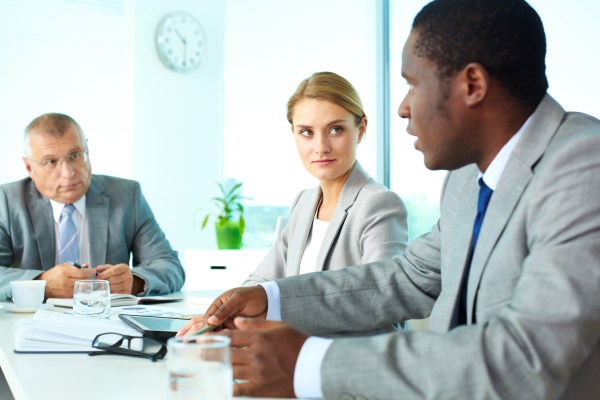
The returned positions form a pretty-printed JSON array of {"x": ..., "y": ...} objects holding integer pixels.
[{"x": 79, "y": 376}]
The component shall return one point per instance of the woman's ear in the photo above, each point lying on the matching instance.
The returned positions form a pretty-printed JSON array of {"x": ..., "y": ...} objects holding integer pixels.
[{"x": 362, "y": 129}]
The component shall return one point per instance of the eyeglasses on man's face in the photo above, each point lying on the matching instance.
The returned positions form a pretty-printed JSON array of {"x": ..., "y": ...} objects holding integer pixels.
[
  {"x": 75, "y": 159},
  {"x": 134, "y": 346}
]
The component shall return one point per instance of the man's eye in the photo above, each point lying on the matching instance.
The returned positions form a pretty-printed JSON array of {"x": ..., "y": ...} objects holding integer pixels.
[
  {"x": 74, "y": 156},
  {"x": 50, "y": 162}
]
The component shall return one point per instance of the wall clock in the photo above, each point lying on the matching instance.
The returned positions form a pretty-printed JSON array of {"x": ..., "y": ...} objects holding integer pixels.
[{"x": 180, "y": 41}]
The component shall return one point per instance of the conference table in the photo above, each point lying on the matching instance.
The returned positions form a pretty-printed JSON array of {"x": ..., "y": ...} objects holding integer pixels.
[{"x": 79, "y": 376}]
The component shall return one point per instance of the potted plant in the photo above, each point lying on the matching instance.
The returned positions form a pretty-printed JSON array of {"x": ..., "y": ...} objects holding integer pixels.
[{"x": 228, "y": 229}]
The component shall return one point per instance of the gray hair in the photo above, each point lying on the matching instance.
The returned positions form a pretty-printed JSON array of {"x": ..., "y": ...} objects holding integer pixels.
[{"x": 52, "y": 124}]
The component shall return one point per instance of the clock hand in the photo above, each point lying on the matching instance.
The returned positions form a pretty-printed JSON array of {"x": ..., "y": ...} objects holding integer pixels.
[{"x": 181, "y": 37}]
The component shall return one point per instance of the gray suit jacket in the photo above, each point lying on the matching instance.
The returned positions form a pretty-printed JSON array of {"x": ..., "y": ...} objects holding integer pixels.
[
  {"x": 369, "y": 224},
  {"x": 120, "y": 225},
  {"x": 533, "y": 290}
]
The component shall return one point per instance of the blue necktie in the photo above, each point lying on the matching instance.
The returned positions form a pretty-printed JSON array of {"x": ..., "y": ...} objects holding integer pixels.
[
  {"x": 485, "y": 194},
  {"x": 69, "y": 237}
]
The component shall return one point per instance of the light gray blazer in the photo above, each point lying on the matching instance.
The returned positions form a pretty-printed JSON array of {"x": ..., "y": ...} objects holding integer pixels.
[
  {"x": 120, "y": 225},
  {"x": 533, "y": 290},
  {"x": 369, "y": 224}
]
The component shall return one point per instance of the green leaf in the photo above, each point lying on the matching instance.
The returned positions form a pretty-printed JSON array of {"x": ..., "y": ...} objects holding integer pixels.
[
  {"x": 205, "y": 221},
  {"x": 242, "y": 224}
]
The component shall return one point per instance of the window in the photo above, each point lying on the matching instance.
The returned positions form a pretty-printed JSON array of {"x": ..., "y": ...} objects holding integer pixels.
[
  {"x": 71, "y": 57},
  {"x": 270, "y": 46},
  {"x": 571, "y": 34}
]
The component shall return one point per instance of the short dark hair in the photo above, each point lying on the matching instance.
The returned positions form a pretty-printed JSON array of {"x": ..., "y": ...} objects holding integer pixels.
[{"x": 505, "y": 36}]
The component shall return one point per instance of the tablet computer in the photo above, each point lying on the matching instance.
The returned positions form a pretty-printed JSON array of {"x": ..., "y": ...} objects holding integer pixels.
[{"x": 160, "y": 328}]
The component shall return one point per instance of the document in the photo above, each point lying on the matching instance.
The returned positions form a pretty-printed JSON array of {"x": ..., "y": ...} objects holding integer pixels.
[
  {"x": 56, "y": 332},
  {"x": 117, "y": 300}
]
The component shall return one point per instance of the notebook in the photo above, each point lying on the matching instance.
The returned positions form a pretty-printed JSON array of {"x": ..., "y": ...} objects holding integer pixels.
[
  {"x": 57, "y": 332},
  {"x": 117, "y": 300}
]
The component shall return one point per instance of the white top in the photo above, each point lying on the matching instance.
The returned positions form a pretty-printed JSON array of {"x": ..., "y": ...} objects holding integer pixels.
[
  {"x": 80, "y": 220},
  {"x": 313, "y": 246}
]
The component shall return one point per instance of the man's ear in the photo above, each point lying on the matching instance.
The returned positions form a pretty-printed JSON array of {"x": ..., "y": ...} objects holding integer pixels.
[
  {"x": 476, "y": 83},
  {"x": 28, "y": 167}
]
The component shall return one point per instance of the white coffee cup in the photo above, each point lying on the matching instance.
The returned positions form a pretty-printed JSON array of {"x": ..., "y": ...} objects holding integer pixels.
[{"x": 28, "y": 294}]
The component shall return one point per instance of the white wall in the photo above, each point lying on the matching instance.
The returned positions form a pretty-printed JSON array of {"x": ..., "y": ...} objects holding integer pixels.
[{"x": 178, "y": 122}]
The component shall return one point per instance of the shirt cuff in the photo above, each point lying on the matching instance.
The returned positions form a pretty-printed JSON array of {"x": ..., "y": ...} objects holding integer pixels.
[
  {"x": 273, "y": 300},
  {"x": 307, "y": 374}
]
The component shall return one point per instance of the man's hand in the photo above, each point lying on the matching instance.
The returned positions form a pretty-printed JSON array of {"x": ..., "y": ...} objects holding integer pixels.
[
  {"x": 264, "y": 355},
  {"x": 244, "y": 302},
  {"x": 61, "y": 278},
  {"x": 120, "y": 278}
]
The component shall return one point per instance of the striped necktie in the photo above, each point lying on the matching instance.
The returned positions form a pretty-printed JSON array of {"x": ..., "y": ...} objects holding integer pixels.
[{"x": 69, "y": 237}]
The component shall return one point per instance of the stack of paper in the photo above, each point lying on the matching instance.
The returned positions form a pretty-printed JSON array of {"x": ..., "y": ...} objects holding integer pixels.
[{"x": 55, "y": 332}]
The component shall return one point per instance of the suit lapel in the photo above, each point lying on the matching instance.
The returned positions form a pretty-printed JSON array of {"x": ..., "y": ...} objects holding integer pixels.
[
  {"x": 355, "y": 182},
  {"x": 456, "y": 241},
  {"x": 97, "y": 210},
  {"x": 302, "y": 229},
  {"x": 540, "y": 129},
  {"x": 40, "y": 210}
]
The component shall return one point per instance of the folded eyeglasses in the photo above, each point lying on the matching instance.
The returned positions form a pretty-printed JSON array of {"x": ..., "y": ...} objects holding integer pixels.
[{"x": 133, "y": 346}]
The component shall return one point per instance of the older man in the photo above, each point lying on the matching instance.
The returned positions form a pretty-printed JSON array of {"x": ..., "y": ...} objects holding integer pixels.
[{"x": 64, "y": 224}]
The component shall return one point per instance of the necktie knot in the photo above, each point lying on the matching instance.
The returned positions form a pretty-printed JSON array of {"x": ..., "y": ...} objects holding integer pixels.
[
  {"x": 67, "y": 211},
  {"x": 485, "y": 194}
]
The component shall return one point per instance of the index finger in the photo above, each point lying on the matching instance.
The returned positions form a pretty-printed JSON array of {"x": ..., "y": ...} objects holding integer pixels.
[
  {"x": 223, "y": 308},
  {"x": 193, "y": 324}
]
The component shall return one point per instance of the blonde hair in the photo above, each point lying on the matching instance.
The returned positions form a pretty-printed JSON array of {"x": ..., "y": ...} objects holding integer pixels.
[{"x": 331, "y": 87}]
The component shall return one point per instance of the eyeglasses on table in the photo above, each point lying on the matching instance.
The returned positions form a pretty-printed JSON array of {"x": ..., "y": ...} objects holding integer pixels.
[{"x": 133, "y": 346}]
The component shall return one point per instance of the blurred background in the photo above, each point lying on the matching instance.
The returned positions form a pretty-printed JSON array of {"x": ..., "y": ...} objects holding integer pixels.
[{"x": 180, "y": 133}]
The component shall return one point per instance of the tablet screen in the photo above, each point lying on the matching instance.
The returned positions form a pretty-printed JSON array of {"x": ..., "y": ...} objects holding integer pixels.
[{"x": 155, "y": 324}]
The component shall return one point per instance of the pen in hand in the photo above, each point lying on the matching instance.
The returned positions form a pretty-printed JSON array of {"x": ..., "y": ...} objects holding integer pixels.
[
  {"x": 82, "y": 266},
  {"x": 207, "y": 328}
]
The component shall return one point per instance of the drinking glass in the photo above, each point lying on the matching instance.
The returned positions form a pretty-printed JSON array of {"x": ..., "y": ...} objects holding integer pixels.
[
  {"x": 199, "y": 368},
  {"x": 92, "y": 298}
]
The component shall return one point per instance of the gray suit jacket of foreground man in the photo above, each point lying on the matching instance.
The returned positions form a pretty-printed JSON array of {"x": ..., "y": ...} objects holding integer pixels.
[
  {"x": 533, "y": 291},
  {"x": 120, "y": 225}
]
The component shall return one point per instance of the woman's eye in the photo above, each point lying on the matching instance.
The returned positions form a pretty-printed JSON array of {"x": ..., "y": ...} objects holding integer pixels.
[
  {"x": 305, "y": 133},
  {"x": 336, "y": 130}
]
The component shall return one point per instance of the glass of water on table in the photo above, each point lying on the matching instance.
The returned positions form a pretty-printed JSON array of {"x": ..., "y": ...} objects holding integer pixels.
[
  {"x": 92, "y": 298},
  {"x": 199, "y": 368}
]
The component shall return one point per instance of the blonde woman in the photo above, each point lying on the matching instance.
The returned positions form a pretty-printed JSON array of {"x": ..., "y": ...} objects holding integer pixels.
[{"x": 349, "y": 218}]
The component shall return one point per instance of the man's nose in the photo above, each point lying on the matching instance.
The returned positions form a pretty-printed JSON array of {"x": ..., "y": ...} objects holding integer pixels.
[{"x": 404, "y": 108}]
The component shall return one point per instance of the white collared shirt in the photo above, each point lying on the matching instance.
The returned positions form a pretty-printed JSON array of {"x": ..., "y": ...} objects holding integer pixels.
[
  {"x": 80, "y": 220},
  {"x": 307, "y": 374}
]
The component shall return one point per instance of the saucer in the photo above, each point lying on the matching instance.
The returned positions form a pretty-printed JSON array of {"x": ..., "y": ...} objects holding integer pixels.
[{"x": 15, "y": 309}]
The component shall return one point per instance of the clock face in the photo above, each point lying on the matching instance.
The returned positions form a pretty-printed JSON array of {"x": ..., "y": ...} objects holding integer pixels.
[{"x": 180, "y": 41}]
